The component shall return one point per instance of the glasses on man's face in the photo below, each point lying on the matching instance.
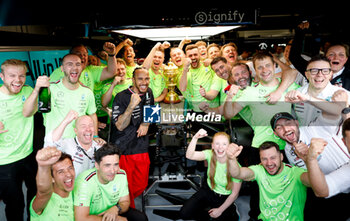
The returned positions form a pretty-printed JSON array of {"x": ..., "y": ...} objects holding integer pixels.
[{"x": 324, "y": 71}]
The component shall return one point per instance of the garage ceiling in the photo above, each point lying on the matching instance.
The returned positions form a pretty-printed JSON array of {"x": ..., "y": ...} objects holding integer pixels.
[{"x": 64, "y": 22}]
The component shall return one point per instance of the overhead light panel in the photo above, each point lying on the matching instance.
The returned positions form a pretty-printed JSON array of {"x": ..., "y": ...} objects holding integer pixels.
[{"x": 176, "y": 33}]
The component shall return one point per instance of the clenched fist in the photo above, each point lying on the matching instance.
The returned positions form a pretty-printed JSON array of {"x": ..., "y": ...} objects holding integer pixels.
[
  {"x": 134, "y": 100},
  {"x": 233, "y": 150},
  {"x": 48, "y": 156}
]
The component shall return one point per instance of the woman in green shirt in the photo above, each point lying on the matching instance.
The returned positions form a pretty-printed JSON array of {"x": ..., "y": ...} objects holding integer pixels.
[{"x": 215, "y": 198}]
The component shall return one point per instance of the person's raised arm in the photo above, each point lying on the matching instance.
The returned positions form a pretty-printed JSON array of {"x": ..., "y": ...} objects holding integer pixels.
[
  {"x": 191, "y": 152},
  {"x": 124, "y": 119},
  {"x": 126, "y": 42},
  {"x": 297, "y": 46},
  {"x": 159, "y": 46},
  {"x": 316, "y": 176},
  {"x": 148, "y": 60},
  {"x": 30, "y": 106},
  {"x": 330, "y": 110},
  {"x": 288, "y": 76},
  {"x": 183, "y": 78},
  {"x": 242, "y": 173},
  {"x": 45, "y": 157},
  {"x": 111, "y": 69},
  {"x": 58, "y": 131},
  {"x": 107, "y": 97},
  {"x": 231, "y": 108},
  {"x": 209, "y": 95},
  {"x": 183, "y": 42}
]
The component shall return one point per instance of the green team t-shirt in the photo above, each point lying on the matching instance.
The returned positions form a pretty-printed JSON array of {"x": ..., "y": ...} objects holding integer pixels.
[
  {"x": 58, "y": 208},
  {"x": 178, "y": 76},
  {"x": 282, "y": 196},
  {"x": 88, "y": 191},
  {"x": 261, "y": 112},
  {"x": 196, "y": 78},
  {"x": 89, "y": 76},
  {"x": 17, "y": 142},
  {"x": 130, "y": 70},
  {"x": 219, "y": 85},
  {"x": 245, "y": 113},
  {"x": 98, "y": 92},
  {"x": 186, "y": 94},
  {"x": 220, "y": 175},
  {"x": 62, "y": 101},
  {"x": 118, "y": 88},
  {"x": 157, "y": 83}
]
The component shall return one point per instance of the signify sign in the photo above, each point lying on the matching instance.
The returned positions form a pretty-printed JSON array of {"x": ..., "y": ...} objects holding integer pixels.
[{"x": 213, "y": 17}]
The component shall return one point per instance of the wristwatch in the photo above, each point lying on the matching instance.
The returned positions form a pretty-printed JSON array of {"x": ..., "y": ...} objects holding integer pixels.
[
  {"x": 346, "y": 110},
  {"x": 119, "y": 208}
]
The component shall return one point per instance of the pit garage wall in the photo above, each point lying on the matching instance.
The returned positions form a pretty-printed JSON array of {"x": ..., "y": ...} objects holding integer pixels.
[{"x": 38, "y": 62}]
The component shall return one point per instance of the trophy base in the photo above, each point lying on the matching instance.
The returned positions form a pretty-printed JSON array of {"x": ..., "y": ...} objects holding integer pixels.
[{"x": 172, "y": 98}]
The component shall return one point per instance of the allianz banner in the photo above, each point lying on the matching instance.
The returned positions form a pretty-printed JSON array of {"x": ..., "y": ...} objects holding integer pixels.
[{"x": 38, "y": 62}]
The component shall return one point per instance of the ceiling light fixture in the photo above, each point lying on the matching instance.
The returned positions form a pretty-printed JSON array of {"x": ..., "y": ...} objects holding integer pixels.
[{"x": 176, "y": 33}]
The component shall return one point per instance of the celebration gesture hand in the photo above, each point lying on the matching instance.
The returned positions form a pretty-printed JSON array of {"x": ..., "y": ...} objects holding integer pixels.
[
  {"x": 233, "y": 90},
  {"x": 296, "y": 96},
  {"x": 340, "y": 96},
  {"x": 134, "y": 100},
  {"x": 301, "y": 150},
  {"x": 71, "y": 116},
  {"x": 128, "y": 42},
  {"x": 116, "y": 80},
  {"x": 233, "y": 150},
  {"x": 109, "y": 48},
  {"x": 187, "y": 63},
  {"x": 42, "y": 81},
  {"x": 48, "y": 156},
  {"x": 165, "y": 45},
  {"x": 200, "y": 134},
  {"x": 204, "y": 106},
  {"x": 202, "y": 91},
  {"x": 317, "y": 146}
]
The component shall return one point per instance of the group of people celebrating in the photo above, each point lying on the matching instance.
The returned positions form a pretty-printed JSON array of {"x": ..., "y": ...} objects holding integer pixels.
[{"x": 300, "y": 133}]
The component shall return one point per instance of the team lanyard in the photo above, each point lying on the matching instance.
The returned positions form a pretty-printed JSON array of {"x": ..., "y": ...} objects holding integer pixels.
[{"x": 82, "y": 149}]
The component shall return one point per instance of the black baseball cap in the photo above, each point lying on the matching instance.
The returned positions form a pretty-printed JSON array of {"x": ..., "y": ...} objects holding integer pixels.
[{"x": 281, "y": 115}]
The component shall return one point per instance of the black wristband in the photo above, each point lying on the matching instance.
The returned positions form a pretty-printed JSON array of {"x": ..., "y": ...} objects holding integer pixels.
[{"x": 111, "y": 55}]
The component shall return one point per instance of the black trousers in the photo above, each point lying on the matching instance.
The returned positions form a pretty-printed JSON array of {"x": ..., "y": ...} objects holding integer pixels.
[
  {"x": 11, "y": 178},
  {"x": 317, "y": 208},
  {"x": 254, "y": 211},
  {"x": 134, "y": 215},
  {"x": 202, "y": 201}
]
